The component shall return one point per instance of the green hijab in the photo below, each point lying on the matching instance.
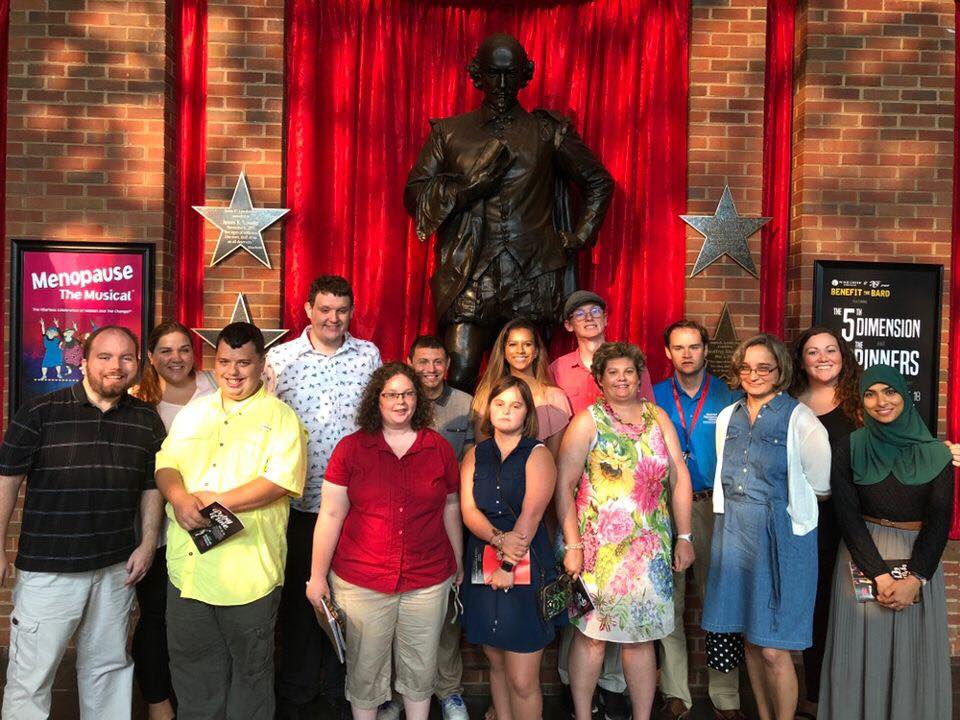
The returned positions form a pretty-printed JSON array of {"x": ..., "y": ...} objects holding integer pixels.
[{"x": 903, "y": 447}]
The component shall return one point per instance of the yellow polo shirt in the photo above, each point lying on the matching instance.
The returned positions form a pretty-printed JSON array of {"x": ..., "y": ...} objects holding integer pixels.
[{"x": 216, "y": 451}]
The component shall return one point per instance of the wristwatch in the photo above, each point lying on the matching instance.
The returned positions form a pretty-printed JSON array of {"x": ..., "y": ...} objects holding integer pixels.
[
  {"x": 506, "y": 566},
  {"x": 686, "y": 536}
]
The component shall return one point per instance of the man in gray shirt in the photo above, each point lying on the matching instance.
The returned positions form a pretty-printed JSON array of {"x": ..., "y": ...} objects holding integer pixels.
[{"x": 451, "y": 418}]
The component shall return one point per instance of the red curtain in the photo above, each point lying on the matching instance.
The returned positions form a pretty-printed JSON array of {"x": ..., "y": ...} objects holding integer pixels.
[
  {"x": 364, "y": 77},
  {"x": 777, "y": 156},
  {"x": 190, "y": 160},
  {"x": 953, "y": 354},
  {"x": 4, "y": 50}
]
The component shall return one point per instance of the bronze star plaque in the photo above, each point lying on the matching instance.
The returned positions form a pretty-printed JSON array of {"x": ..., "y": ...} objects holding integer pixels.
[
  {"x": 722, "y": 345},
  {"x": 241, "y": 225},
  {"x": 241, "y": 313},
  {"x": 725, "y": 233}
]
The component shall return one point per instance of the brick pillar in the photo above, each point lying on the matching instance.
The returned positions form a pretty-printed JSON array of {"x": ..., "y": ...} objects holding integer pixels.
[{"x": 873, "y": 152}]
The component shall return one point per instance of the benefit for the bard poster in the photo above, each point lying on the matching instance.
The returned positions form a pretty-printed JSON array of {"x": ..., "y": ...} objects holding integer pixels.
[
  {"x": 64, "y": 294},
  {"x": 889, "y": 313}
]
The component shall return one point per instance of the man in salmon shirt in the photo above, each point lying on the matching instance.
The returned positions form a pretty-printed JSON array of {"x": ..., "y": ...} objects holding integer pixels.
[{"x": 585, "y": 315}]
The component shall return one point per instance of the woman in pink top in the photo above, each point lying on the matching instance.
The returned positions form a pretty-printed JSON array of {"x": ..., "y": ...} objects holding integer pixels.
[
  {"x": 170, "y": 380},
  {"x": 520, "y": 352}
]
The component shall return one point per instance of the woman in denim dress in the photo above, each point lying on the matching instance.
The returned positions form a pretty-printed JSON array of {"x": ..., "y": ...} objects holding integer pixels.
[{"x": 775, "y": 460}]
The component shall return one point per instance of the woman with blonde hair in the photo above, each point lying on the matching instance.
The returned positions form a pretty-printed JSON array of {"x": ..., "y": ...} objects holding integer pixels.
[{"x": 520, "y": 351}]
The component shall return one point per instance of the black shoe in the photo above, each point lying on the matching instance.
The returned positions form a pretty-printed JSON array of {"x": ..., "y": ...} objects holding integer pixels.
[{"x": 615, "y": 706}]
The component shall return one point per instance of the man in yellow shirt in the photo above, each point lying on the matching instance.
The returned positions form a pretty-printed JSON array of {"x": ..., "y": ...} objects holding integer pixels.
[{"x": 246, "y": 450}]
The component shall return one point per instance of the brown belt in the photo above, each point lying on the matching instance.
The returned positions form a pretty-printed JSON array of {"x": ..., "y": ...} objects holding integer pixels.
[
  {"x": 906, "y": 525},
  {"x": 703, "y": 495}
]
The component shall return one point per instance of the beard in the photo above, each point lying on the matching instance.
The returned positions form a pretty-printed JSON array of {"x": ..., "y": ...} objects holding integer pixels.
[{"x": 114, "y": 390}]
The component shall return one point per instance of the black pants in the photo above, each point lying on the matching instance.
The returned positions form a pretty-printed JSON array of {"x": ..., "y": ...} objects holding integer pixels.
[
  {"x": 828, "y": 540},
  {"x": 307, "y": 664},
  {"x": 151, "y": 662}
]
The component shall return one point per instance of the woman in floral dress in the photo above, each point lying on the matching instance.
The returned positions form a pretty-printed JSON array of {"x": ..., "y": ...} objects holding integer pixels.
[{"x": 616, "y": 461}]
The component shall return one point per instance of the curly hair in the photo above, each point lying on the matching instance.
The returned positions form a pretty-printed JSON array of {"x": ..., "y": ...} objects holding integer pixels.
[
  {"x": 614, "y": 351},
  {"x": 846, "y": 394},
  {"x": 368, "y": 414},
  {"x": 498, "y": 368},
  {"x": 475, "y": 68},
  {"x": 775, "y": 347}
]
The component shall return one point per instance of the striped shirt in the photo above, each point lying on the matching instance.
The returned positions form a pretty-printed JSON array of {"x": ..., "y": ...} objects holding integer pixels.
[{"x": 86, "y": 470}]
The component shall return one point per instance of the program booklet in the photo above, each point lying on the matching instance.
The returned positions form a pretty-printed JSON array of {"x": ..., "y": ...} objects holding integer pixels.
[
  {"x": 223, "y": 525},
  {"x": 333, "y": 625},
  {"x": 864, "y": 589}
]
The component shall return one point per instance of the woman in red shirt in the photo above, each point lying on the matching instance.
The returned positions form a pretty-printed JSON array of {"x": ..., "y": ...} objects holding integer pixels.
[{"x": 389, "y": 542}]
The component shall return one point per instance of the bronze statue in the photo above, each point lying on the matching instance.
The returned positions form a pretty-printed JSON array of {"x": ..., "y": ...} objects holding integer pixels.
[{"x": 493, "y": 184}]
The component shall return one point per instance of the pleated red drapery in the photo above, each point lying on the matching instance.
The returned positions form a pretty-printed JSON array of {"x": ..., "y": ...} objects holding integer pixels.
[
  {"x": 364, "y": 77},
  {"x": 4, "y": 51},
  {"x": 190, "y": 160},
  {"x": 777, "y": 157},
  {"x": 953, "y": 354}
]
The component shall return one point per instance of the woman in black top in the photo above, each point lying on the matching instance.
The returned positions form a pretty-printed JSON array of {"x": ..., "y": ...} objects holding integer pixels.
[
  {"x": 828, "y": 385},
  {"x": 888, "y": 658}
]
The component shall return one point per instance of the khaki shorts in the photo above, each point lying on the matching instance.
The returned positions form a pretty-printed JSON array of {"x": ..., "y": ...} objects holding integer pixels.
[{"x": 409, "y": 623}]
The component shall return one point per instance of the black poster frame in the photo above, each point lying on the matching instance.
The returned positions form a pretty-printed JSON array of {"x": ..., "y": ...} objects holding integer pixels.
[
  {"x": 145, "y": 252},
  {"x": 932, "y": 273}
]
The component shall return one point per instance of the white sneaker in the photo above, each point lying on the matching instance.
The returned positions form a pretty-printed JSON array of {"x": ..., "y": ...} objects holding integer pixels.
[
  {"x": 390, "y": 710},
  {"x": 453, "y": 708}
]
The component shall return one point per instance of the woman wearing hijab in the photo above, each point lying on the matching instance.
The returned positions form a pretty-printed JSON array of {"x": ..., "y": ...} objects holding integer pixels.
[{"x": 888, "y": 658}]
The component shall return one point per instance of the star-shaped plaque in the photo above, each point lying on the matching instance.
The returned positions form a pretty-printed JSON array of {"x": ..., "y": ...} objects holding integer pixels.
[
  {"x": 722, "y": 345},
  {"x": 241, "y": 313},
  {"x": 241, "y": 225},
  {"x": 726, "y": 233}
]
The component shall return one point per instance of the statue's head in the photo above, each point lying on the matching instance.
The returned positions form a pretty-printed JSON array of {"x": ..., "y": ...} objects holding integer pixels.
[{"x": 500, "y": 69}]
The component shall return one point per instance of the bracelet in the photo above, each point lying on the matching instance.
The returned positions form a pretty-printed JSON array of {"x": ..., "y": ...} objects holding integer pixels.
[
  {"x": 577, "y": 546},
  {"x": 506, "y": 566},
  {"x": 493, "y": 540}
]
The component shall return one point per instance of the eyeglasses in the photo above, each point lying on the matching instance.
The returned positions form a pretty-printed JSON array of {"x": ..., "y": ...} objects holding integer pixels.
[
  {"x": 593, "y": 311},
  {"x": 394, "y": 396},
  {"x": 761, "y": 370}
]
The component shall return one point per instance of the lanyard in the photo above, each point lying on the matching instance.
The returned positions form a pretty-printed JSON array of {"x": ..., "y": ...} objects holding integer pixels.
[{"x": 696, "y": 413}]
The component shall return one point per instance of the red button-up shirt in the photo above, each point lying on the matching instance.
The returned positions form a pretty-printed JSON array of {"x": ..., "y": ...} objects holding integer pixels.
[
  {"x": 393, "y": 538},
  {"x": 577, "y": 382}
]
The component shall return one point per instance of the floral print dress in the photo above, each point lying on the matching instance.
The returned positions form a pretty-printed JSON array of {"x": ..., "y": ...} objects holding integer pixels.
[{"x": 625, "y": 526}]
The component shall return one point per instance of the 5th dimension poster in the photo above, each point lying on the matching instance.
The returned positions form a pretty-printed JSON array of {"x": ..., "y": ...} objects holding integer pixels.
[{"x": 889, "y": 313}]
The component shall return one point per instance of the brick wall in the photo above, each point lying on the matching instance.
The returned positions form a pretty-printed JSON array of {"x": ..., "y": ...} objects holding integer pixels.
[
  {"x": 85, "y": 148},
  {"x": 244, "y": 129},
  {"x": 873, "y": 153},
  {"x": 89, "y": 148}
]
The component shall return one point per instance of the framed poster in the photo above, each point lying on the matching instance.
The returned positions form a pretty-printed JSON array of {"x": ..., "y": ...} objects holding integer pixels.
[
  {"x": 889, "y": 313},
  {"x": 61, "y": 292}
]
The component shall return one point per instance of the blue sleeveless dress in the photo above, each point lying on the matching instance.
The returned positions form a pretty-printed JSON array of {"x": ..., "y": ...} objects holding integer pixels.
[
  {"x": 506, "y": 620},
  {"x": 763, "y": 578}
]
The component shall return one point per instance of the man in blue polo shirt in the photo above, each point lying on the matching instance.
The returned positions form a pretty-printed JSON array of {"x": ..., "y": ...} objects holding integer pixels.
[{"x": 693, "y": 398}]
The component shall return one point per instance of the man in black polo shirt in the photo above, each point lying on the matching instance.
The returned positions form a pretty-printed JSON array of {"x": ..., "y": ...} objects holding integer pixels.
[{"x": 87, "y": 454}]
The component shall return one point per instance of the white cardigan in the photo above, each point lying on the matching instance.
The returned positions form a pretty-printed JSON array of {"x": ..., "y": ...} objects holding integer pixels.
[{"x": 808, "y": 465}]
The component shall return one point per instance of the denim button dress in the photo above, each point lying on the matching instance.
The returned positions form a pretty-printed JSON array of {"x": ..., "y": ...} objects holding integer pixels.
[{"x": 763, "y": 578}]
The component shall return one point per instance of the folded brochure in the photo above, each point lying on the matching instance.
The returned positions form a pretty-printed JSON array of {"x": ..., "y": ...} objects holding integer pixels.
[
  {"x": 332, "y": 623},
  {"x": 223, "y": 524}
]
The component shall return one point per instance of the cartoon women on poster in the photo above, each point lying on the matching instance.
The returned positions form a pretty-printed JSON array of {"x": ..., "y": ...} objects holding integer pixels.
[
  {"x": 52, "y": 353},
  {"x": 72, "y": 351}
]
